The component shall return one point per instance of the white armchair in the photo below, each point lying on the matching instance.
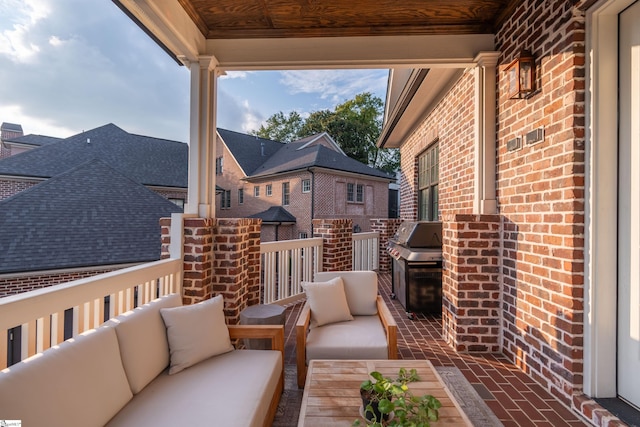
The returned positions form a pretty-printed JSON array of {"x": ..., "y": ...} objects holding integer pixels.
[{"x": 371, "y": 334}]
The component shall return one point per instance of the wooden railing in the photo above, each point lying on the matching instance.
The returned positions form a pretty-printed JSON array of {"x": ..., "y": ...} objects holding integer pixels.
[
  {"x": 366, "y": 254},
  {"x": 39, "y": 316},
  {"x": 285, "y": 265}
]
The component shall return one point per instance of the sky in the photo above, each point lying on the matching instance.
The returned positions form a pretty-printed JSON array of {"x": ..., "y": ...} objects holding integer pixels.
[{"x": 72, "y": 65}]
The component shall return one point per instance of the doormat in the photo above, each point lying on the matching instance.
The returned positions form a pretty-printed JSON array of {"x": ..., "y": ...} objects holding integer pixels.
[{"x": 467, "y": 397}]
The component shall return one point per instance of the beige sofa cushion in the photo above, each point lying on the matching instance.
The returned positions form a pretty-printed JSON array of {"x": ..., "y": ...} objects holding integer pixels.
[
  {"x": 362, "y": 338},
  {"x": 196, "y": 332},
  {"x": 81, "y": 382},
  {"x": 231, "y": 390},
  {"x": 142, "y": 337},
  {"x": 360, "y": 288},
  {"x": 327, "y": 301}
]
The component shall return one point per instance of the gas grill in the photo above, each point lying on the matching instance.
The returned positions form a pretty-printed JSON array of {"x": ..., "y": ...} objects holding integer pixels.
[{"x": 416, "y": 249}]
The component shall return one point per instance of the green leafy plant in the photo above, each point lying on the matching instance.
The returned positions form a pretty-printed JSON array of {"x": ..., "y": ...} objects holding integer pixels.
[{"x": 384, "y": 396}]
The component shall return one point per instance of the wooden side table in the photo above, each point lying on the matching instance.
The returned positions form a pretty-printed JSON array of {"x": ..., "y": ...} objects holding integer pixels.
[{"x": 332, "y": 391}]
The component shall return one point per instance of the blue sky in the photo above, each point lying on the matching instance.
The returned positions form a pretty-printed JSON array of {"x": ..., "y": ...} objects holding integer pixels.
[{"x": 73, "y": 65}]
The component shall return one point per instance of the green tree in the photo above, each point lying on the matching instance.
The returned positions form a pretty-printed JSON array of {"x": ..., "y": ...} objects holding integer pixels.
[
  {"x": 355, "y": 125},
  {"x": 281, "y": 127}
]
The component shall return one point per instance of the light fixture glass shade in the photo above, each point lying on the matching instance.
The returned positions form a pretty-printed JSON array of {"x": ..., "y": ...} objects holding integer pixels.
[{"x": 521, "y": 75}]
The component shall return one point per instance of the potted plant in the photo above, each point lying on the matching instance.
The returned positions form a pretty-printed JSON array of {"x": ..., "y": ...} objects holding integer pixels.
[{"x": 384, "y": 396}]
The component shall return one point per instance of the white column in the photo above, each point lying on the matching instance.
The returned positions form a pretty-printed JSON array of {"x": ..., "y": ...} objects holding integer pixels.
[
  {"x": 484, "y": 201},
  {"x": 202, "y": 138}
]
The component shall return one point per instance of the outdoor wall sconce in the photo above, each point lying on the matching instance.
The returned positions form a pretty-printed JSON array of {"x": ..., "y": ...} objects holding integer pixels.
[{"x": 521, "y": 74}]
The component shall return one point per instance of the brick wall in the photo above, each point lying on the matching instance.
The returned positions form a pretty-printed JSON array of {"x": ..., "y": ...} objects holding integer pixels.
[
  {"x": 9, "y": 187},
  {"x": 450, "y": 124},
  {"x": 541, "y": 197},
  {"x": 470, "y": 283},
  {"x": 23, "y": 283},
  {"x": 221, "y": 256},
  {"x": 337, "y": 249},
  {"x": 387, "y": 227},
  {"x": 540, "y": 192}
]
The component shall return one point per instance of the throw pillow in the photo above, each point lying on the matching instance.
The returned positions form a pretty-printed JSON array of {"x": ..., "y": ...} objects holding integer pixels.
[
  {"x": 327, "y": 301},
  {"x": 196, "y": 332}
]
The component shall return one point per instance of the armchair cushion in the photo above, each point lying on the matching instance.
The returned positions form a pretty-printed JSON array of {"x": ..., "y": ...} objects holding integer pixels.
[
  {"x": 363, "y": 338},
  {"x": 327, "y": 301},
  {"x": 196, "y": 332},
  {"x": 360, "y": 288}
]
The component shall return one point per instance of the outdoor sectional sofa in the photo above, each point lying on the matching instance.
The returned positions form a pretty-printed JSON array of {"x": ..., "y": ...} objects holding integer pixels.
[{"x": 124, "y": 373}]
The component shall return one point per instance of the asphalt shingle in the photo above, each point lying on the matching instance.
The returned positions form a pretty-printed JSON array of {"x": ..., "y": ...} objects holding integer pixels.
[
  {"x": 146, "y": 160},
  {"x": 87, "y": 216}
]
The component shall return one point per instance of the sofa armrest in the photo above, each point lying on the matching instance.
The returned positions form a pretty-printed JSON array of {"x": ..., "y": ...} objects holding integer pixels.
[
  {"x": 390, "y": 326},
  {"x": 273, "y": 332},
  {"x": 302, "y": 326}
]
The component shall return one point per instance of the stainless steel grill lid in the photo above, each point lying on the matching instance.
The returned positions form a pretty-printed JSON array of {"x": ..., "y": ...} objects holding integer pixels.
[
  {"x": 420, "y": 234},
  {"x": 417, "y": 241}
]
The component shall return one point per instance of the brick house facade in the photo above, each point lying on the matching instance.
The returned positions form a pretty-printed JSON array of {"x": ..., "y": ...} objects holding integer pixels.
[
  {"x": 324, "y": 198},
  {"x": 515, "y": 281}
]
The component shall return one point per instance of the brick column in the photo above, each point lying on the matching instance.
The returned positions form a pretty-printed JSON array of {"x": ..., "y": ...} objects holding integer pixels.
[
  {"x": 337, "y": 234},
  {"x": 387, "y": 227},
  {"x": 221, "y": 256},
  {"x": 470, "y": 283},
  {"x": 236, "y": 264}
]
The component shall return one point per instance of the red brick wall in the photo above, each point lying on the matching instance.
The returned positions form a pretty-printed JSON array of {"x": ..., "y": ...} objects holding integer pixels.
[
  {"x": 387, "y": 227},
  {"x": 540, "y": 190},
  {"x": 337, "y": 247},
  {"x": 451, "y": 124},
  {"x": 541, "y": 197},
  {"x": 470, "y": 283},
  {"x": 23, "y": 283},
  {"x": 9, "y": 187}
]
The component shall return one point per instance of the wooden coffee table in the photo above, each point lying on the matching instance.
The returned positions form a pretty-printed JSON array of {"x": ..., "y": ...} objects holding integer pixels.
[{"x": 332, "y": 397}]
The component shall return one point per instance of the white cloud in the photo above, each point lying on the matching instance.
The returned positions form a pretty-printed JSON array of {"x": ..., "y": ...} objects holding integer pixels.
[
  {"x": 235, "y": 75},
  {"x": 252, "y": 119},
  {"x": 336, "y": 85},
  {"x": 33, "y": 125},
  {"x": 18, "y": 20},
  {"x": 237, "y": 115}
]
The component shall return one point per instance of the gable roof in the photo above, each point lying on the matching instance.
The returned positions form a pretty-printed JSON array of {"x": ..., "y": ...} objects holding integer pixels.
[
  {"x": 260, "y": 157},
  {"x": 249, "y": 151},
  {"x": 12, "y": 127},
  {"x": 293, "y": 157},
  {"x": 275, "y": 214},
  {"x": 146, "y": 160},
  {"x": 32, "y": 139},
  {"x": 90, "y": 215}
]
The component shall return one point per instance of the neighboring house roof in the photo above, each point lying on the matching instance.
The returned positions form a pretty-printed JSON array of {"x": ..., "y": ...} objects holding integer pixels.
[
  {"x": 89, "y": 215},
  {"x": 291, "y": 158},
  {"x": 249, "y": 151},
  {"x": 275, "y": 215},
  {"x": 32, "y": 139},
  {"x": 146, "y": 160},
  {"x": 260, "y": 157}
]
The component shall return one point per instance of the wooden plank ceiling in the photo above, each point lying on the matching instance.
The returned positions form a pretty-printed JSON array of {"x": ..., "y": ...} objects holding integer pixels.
[{"x": 242, "y": 19}]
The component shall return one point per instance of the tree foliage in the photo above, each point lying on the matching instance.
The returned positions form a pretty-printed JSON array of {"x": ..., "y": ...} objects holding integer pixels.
[{"x": 355, "y": 125}]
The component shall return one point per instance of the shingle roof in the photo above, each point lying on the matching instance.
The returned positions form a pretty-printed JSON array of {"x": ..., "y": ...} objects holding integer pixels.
[
  {"x": 290, "y": 158},
  {"x": 250, "y": 151},
  {"x": 146, "y": 160},
  {"x": 279, "y": 157},
  {"x": 89, "y": 215},
  {"x": 13, "y": 127},
  {"x": 276, "y": 214},
  {"x": 32, "y": 139}
]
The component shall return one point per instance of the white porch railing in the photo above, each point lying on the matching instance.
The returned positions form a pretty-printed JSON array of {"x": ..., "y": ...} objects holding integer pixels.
[
  {"x": 41, "y": 313},
  {"x": 366, "y": 254},
  {"x": 285, "y": 265}
]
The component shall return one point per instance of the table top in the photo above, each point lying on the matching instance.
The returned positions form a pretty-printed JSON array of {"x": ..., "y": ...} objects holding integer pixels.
[{"x": 332, "y": 391}]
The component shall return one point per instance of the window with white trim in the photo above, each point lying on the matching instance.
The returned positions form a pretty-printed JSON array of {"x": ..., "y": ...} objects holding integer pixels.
[
  {"x": 285, "y": 194},
  {"x": 240, "y": 196},
  {"x": 256, "y": 191},
  {"x": 268, "y": 190},
  {"x": 219, "y": 161},
  {"x": 306, "y": 185},
  {"x": 350, "y": 193}
]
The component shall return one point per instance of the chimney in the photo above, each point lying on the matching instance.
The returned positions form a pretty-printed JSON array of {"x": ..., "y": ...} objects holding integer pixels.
[{"x": 10, "y": 131}]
